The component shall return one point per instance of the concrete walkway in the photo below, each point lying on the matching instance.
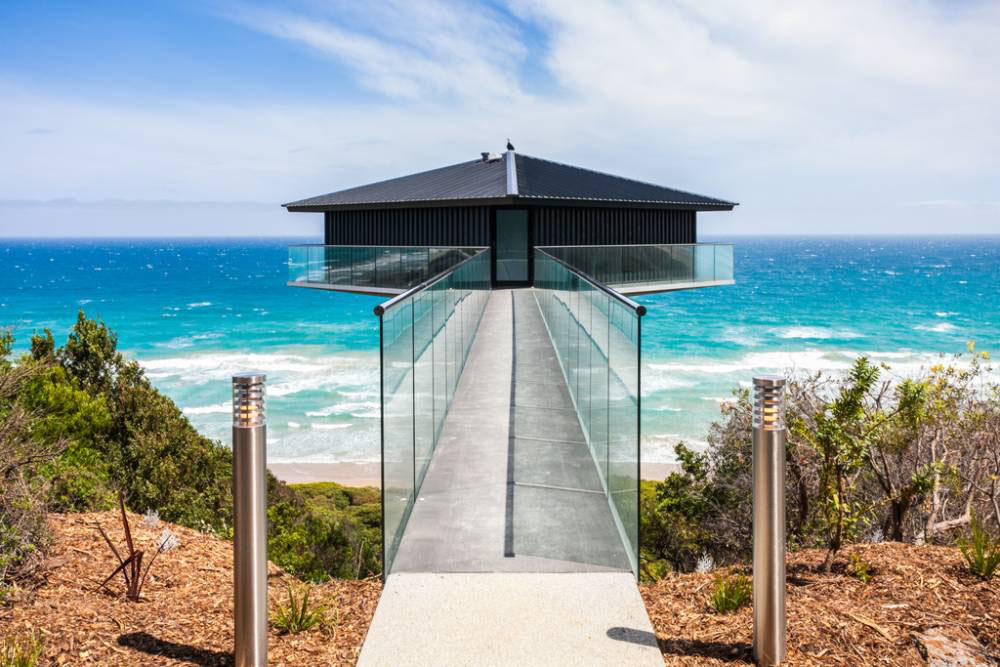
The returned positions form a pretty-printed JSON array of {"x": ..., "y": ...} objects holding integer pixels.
[{"x": 511, "y": 555}]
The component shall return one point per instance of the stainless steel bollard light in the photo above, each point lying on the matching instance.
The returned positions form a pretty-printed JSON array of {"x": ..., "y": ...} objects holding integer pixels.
[
  {"x": 769, "y": 437},
  {"x": 249, "y": 520}
]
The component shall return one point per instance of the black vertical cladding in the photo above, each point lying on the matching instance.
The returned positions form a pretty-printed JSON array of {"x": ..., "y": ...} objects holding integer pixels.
[
  {"x": 612, "y": 226},
  {"x": 470, "y": 226},
  {"x": 451, "y": 226}
]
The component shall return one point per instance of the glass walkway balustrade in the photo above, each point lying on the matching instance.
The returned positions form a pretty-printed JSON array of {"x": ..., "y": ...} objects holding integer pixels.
[
  {"x": 645, "y": 269},
  {"x": 378, "y": 270},
  {"x": 596, "y": 335},
  {"x": 425, "y": 335}
]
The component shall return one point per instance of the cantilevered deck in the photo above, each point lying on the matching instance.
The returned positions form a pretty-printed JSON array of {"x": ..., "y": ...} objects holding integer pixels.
[{"x": 512, "y": 485}]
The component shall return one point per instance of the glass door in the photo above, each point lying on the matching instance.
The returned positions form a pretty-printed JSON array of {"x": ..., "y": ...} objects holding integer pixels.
[{"x": 511, "y": 247}]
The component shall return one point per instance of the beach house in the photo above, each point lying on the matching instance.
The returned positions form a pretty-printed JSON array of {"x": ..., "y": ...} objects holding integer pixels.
[{"x": 510, "y": 351}]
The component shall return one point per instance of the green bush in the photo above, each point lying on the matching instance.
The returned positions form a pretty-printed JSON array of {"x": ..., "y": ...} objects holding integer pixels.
[
  {"x": 731, "y": 593},
  {"x": 25, "y": 652},
  {"x": 981, "y": 552},
  {"x": 108, "y": 429},
  {"x": 295, "y": 615},
  {"x": 697, "y": 511}
]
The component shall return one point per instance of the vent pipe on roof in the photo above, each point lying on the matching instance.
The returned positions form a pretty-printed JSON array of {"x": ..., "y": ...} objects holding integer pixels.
[{"x": 511, "y": 173}]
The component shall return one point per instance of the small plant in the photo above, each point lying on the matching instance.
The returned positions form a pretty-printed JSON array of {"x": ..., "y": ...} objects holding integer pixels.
[
  {"x": 731, "y": 593},
  {"x": 981, "y": 553},
  {"x": 295, "y": 615},
  {"x": 131, "y": 567},
  {"x": 653, "y": 570},
  {"x": 860, "y": 569},
  {"x": 168, "y": 541},
  {"x": 151, "y": 519},
  {"x": 21, "y": 653},
  {"x": 705, "y": 564}
]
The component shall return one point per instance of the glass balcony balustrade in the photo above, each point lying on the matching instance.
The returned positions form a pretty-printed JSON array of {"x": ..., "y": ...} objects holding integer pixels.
[
  {"x": 644, "y": 269},
  {"x": 382, "y": 270},
  {"x": 596, "y": 335},
  {"x": 424, "y": 335}
]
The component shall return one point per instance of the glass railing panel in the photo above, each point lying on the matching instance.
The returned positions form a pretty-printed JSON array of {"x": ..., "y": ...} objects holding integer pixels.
[
  {"x": 397, "y": 422},
  {"x": 439, "y": 297},
  {"x": 599, "y": 424},
  {"x": 704, "y": 263},
  {"x": 623, "y": 411},
  {"x": 388, "y": 267},
  {"x": 425, "y": 338},
  {"x": 723, "y": 262},
  {"x": 423, "y": 382},
  {"x": 596, "y": 335},
  {"x": 298, "y": 264},
  {"x": 363, "y": 266},
  {"x": 649, "y": 265},
  {"x": 682, "y": 264}
]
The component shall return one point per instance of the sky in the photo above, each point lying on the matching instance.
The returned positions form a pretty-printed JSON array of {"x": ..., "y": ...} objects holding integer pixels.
[{"x": 200, "y": 118}]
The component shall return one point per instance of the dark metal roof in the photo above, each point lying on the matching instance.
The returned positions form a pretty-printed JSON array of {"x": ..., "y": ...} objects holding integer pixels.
[{"x": 487, "y": 181}]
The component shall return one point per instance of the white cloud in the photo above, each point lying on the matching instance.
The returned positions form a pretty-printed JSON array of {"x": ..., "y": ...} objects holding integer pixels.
[{"x": 774, "y": 104}]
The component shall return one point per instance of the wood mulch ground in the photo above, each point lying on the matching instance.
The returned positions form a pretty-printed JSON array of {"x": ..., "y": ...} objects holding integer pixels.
[
  {"x": 835, "y": 619},
  {"x": 185, "y": 616}
]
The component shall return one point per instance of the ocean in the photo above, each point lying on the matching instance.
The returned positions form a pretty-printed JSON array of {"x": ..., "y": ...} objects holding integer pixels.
[{"x": 194, "y": 311}]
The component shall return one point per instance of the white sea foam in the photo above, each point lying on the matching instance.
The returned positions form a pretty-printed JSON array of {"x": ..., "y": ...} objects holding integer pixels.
[
  {"x": 661, "y": 381},
  {"x": 346, "y": 408},
  {"x": 943, "y": 327},
  {"x": 294, "y": 425},
  {"x": 200, "y": 304},
  {"x": 944, "y": 314},
  {"x": 226, "y": 407},
  {"x": 807, "y": 360},
  {"x": 328, "y": 427},
  {"x": 181, "y": 342},
  {"x": 817, "y": 333}
]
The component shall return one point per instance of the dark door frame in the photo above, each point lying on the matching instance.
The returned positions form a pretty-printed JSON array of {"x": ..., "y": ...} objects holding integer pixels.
[{"x": 531, "y": 246}]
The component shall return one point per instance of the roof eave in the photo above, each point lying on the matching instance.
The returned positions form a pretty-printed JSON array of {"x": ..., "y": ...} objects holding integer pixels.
[{"x": 296, "y": 207}]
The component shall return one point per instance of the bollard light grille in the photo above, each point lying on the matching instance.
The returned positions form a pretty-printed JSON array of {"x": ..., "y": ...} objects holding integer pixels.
[
  {"x": 248, "y": 400},
  {"x": 769, "y": 403}
]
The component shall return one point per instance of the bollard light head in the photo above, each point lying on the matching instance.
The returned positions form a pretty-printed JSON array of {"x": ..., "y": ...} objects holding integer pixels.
[
  {"x": 248, "y": 400},
  {"x": 769, "y": 402}
]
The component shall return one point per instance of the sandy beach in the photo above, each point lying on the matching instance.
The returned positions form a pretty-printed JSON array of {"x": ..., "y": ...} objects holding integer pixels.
[{"x": 369, "y": 474}]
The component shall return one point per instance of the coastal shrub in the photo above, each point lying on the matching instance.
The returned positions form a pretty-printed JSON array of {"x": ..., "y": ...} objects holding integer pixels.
[
  {"x": 981, "y": 552},
  {"x": 40, "y": 415},
  {"x": 295, "y": 615},
  {"x": 99, "y": 427},
  {"x": 729, "y": 593},
  {"x": 21, "y": 651},
  {"x": 868, "y": 454}
]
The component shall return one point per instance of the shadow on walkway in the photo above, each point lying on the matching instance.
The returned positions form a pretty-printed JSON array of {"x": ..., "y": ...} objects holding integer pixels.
[
  {"x": 633, "y": 636},
  {"x": 147, "y": 643}
]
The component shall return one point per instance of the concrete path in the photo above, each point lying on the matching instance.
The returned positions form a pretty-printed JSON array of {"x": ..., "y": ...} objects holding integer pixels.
[{"x": 592, "y": 618}]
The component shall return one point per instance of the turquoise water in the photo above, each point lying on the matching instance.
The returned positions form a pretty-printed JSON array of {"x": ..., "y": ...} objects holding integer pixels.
[{"x": 195, "y": 311}]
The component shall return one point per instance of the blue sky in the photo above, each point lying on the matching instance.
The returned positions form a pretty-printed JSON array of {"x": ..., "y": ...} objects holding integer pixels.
[{"x": 199, "y": 118}]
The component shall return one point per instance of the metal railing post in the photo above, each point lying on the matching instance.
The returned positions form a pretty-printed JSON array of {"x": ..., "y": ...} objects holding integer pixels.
[
  {"x": 249, "y": 520},
  {"x": 769, "y": 437}
]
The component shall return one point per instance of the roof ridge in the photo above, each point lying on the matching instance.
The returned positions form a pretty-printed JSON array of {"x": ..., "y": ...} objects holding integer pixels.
[
  {"x": 633, "y": 180},
  {"x": 510, "y": 161}
]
